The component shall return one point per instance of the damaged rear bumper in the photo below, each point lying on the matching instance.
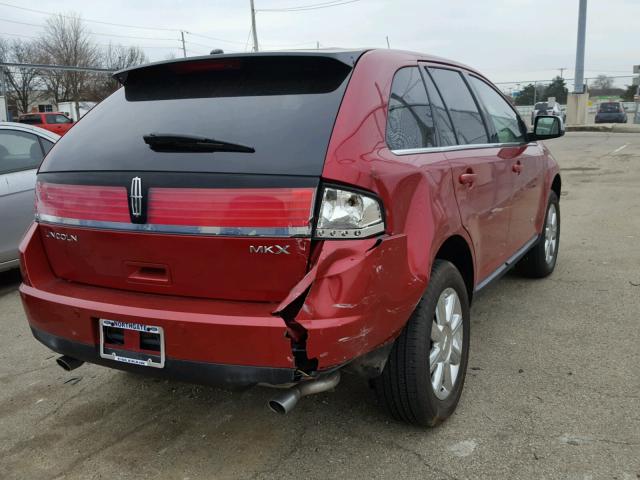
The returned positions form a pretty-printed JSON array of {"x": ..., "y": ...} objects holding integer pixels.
[
  {"x": 183, "y": 370},
  {"x": 355, "y": 299}
]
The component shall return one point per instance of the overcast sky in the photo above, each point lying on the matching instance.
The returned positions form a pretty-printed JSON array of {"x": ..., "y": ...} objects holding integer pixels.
[{"x": 508, "y": 40}]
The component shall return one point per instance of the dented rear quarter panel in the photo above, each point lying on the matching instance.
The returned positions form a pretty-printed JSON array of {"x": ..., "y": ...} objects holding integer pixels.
[{"x": 371, "y": 286}]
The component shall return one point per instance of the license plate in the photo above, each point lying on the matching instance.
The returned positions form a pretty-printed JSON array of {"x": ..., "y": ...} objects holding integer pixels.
[{"x": 133, "y": 343}]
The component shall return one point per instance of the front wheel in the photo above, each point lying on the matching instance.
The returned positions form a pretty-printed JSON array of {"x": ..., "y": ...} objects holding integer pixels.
[
  {"x": 540, "y": 261},
  {"x": 423, "y": 378}
]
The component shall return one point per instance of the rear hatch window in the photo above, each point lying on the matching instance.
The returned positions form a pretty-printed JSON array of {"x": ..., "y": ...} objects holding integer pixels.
[
  {"x": 610, "y": 108},
  {"x": 30, "y": 119},
  {"x": 283, "y": 108}
]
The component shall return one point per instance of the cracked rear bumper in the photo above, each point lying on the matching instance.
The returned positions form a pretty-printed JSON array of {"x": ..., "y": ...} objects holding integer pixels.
[{"x": 359, "y": 298}]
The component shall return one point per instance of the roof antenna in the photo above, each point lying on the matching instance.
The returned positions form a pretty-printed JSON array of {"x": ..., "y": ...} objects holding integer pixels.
[{"x": 387, "y": 37}]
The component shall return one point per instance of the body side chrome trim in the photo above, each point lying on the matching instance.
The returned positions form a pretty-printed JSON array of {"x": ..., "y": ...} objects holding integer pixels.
[
  {"x": 179, "y": 229},
  {"x": 453, "y": 148},
  {"x": 506, "y": 266}
]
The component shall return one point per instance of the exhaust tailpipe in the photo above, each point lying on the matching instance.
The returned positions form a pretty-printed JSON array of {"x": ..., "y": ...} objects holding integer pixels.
[
  {"x": 68, "y": 363},
  {"x": 286, "y": 401}
]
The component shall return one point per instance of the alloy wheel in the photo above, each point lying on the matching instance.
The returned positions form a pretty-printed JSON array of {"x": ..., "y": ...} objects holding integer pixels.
[
  {"x": 551, "y": 234},
  {"x": 446, "y": 343}
]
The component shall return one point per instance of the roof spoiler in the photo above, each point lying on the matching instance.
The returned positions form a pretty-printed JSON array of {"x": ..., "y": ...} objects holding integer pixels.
[{"x": 347, "y": 57}]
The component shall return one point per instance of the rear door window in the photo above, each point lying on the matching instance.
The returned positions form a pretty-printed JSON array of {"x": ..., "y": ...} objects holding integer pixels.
[
  {"x": 504, "y": 119},
  {"x": 443, "y": 122},
  {"x": 466, "y": 118},
  {"x": 19, "y": 151},
  {"x": 409, "y": 120}
]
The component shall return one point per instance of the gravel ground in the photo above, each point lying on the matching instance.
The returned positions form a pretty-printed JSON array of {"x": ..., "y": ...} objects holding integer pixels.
[{"x": 553, "y": 389}]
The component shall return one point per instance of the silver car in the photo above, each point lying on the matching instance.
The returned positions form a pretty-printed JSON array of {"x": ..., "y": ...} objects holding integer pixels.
[
  {"x": 548, "y": 108},
  {"x": 22, "y": 148}
]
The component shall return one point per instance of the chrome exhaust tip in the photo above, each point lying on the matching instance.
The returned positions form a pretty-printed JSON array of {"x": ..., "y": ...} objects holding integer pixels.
[
  {"x": 286, "y": 401},
  {"x": 68, "y": 363}
]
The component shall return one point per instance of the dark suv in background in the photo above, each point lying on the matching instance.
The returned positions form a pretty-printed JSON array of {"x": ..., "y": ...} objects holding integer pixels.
[{"x": 611, "y": 112}]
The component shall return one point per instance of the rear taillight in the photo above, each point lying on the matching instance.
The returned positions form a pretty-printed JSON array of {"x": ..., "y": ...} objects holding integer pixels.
[
  {"x": 81, "y": 202},
  {"x": 348, "y": 214},
  {"x": 231, "y": 207},
  {"x": 343, "y": 213}
]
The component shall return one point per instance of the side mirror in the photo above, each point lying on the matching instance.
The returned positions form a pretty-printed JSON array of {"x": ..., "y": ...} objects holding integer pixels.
[{"x": 546, "y": 127}]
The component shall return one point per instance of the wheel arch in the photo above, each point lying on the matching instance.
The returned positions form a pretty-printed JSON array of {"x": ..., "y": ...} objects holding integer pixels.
[
  {"x": 456, "y": 249},
  {"x": 556, "y": 185}
]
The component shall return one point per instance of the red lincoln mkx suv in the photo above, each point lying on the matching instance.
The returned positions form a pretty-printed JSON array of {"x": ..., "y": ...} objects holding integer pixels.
[{"x": 273, "y": 218}]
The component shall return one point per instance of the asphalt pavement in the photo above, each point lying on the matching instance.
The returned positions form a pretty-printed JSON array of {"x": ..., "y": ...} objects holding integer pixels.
[{"x": 553, "y": 388}]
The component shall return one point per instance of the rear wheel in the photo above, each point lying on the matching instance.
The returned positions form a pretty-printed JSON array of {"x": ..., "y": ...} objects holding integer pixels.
[
  {"x": 540, "y": 261},
  {"x": 422, "y": 381}
]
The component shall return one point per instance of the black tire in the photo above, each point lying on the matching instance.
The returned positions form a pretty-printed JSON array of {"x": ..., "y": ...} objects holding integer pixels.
[
  {"x": 404, "y": 389},
  {"x": 535, "y": 264}
]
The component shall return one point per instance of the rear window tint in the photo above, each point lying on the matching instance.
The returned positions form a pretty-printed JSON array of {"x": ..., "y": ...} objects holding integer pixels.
[
  {"x": 409, "y": 120},
  {"x": 443, "y": 123},
  {"x": 610, "y": 108},
  {"x": 30, "y": 119},
  {"x": 465, "y": 116},
  {"x": 283, "y": 107}
]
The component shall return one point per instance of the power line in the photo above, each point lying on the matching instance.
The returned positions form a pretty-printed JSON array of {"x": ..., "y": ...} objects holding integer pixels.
[
  {"x": 213, "y": 38},
  {"x": 99, "y": 44},
  {"x": 89, "y": 20},
  {"x": 314, "y": 6},
  {"x": 91, "y": 33}
]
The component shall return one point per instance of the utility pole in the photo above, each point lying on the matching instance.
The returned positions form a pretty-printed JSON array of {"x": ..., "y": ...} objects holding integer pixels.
[
  {"x": 582, "y": 26},
  {"x": 184, "y": 48},
  {"x": 253, "y": 27},
  {"x": 4, "y": 94},
  {"x": 562, "y": 69},
  {"x": 387, "y": 37}
]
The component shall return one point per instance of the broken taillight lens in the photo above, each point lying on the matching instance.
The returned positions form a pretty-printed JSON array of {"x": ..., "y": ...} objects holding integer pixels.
[{"x": 349, "y": 214}]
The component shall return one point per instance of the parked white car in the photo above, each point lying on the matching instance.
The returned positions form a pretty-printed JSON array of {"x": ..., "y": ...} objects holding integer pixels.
[
  {"x": 548, "y": 108},
  {"x": 22, "y": 148}
]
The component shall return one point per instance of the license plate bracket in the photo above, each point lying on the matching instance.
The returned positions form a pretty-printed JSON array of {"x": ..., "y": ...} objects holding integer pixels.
[{"x": 132, "y": 343}]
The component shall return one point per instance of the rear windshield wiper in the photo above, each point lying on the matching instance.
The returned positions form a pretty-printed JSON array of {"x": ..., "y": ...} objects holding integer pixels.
[{"x": 175, "y": 142}]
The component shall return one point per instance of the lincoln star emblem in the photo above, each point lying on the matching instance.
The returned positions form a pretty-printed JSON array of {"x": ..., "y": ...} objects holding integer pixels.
[{"x": 136, "y": 197}]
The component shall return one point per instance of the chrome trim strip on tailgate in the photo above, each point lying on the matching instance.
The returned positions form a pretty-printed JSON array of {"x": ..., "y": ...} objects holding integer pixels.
[{"x": 179, "y": 229}]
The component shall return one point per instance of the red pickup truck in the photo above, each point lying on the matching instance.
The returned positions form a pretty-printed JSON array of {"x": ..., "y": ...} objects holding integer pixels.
[{"x": 56, "y": 122}]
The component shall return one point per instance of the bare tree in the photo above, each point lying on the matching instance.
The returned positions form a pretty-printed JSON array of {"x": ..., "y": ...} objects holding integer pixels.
[
  {"x": 66, "y": 42},
  {"x": 24, "y": 85},
  {"x": 114, "y": 57},
  {"x": 603, "y": 82}
]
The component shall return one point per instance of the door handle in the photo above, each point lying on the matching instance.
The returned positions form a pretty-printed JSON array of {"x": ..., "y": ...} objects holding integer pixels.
[
  {"x": 517, "y": 167},
  {"x": 467, "y": 178}
]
